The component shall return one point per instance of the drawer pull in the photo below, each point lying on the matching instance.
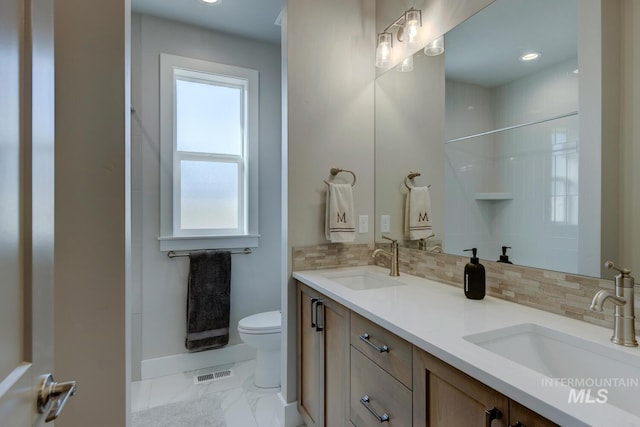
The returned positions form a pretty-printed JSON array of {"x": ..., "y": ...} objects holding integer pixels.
[
  {"x": 313, "y": 312},
  {"x": 319, "y": 327},
  {"x": 490, "y": 415},
  {"x": 365, "y": 337},
  {"x": 384, "y": 418}
]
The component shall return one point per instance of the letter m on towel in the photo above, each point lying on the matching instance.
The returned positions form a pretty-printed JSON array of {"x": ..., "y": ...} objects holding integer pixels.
[{"x": 342, "y": 218}]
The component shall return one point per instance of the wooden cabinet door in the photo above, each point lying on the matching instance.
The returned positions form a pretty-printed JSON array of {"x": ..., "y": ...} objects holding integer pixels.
[
  {"x": 520, "y": 416},
  {"x": 310, "y": 372},
  {"x": 323, "y": 360},
  {"x": 335, "y": 323},
  {"x": 444, "y": 396}
]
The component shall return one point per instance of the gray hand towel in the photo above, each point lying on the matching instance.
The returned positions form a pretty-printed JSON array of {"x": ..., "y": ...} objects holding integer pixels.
[{"x": 208, "y": 300}]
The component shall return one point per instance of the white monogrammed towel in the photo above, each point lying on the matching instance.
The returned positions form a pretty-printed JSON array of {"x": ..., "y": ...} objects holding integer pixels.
[
  {"x": 340, "y": 226},
  {"x": 417, "y": 214}
]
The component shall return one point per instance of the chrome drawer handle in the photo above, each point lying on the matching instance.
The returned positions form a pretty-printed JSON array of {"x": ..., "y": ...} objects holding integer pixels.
[
  {"x": 365, "y": 337},
  {"x": 384, "y": 418}
]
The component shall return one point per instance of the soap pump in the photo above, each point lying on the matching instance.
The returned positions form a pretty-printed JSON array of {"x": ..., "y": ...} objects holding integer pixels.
[
  {"x": 504, "y": 257},
  {"x": 474, "y": 277}
]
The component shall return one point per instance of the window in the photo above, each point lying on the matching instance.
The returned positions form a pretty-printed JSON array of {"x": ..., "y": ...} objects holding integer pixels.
[
  {"x": 208, "y": 176},
  {"x": 564, "y": 177}
]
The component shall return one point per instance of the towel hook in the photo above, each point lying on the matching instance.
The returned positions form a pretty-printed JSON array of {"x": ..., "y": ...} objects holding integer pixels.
[
  {"x": 336, "y": 171},
  {"x": 410, "y": 177}
]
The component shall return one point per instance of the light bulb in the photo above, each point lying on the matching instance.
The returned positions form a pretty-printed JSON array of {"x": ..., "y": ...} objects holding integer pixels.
[
  {"x": 530, "y": 56},
  {"x": 383, "y": 51}
]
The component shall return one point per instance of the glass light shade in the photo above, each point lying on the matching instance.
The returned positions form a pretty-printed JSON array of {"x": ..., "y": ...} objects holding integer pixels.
[
  {"x": 383, "y": 51},
  {"x": 406, "y": 65},
  {"x": 435, "y": 48},
  {"x": 412, "y": 24}
]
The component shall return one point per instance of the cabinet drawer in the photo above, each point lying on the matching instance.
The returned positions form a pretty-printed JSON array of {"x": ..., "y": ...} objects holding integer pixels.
[
  {"x": 396, "y": 360},
  {"x": 386, "y": 395}
]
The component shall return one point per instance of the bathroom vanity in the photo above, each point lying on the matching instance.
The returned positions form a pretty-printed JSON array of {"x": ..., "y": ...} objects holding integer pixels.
[{"x": 414, "y": 352}]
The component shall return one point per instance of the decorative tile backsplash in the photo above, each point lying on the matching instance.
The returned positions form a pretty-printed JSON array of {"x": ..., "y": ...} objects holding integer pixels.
[
  {"x": 331, "y": 255},
  {"x": 561, "y": 293}
]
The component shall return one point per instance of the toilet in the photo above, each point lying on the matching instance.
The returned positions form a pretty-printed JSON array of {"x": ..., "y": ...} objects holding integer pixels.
[{"x": 262, "y": 332}]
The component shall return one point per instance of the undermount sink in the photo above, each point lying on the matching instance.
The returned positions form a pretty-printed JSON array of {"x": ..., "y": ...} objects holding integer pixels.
[
  {"x": 569, "y": 360},
  {"x": 362, "y": 280}
]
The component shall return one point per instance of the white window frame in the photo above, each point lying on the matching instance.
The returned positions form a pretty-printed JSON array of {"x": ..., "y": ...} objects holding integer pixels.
[{"x": 172, "y": 237}]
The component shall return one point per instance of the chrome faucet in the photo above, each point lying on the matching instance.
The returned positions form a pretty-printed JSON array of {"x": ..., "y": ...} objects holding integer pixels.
[
  {"x": 393, "y": 255},
  {"x": 623, "y": 323}
]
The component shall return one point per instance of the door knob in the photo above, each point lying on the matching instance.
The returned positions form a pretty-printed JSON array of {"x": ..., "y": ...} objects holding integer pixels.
[{"x": 52, "y": 396}]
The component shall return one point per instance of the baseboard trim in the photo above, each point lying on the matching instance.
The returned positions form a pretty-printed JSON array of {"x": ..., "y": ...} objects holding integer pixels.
[
  {"x": 290, "y": 417},
  {"x": 174, "y": 364}
]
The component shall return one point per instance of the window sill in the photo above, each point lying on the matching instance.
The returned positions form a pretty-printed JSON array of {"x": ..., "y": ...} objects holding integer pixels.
[{"x": 189, "y": 243}]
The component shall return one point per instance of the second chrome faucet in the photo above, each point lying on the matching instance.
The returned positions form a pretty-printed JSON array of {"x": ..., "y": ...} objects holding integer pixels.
[{"x": 393, "y": 255}]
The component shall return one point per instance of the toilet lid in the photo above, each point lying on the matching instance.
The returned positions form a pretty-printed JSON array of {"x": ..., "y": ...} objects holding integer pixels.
[{"x": 271, "y": 320}]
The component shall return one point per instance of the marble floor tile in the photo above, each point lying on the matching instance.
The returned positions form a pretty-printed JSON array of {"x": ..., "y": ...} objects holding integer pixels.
[
  {"x": 243, "y": 404},
  {"x": 236, "y": 409}
]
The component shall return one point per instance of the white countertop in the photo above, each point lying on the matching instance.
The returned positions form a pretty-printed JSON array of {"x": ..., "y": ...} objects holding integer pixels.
[{"x": 435, "y": 317}]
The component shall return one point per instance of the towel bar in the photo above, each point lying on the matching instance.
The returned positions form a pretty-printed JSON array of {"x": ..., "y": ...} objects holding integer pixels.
[
  {"x": 336, "y": 171},
  {"x": 172, "y": 254}
]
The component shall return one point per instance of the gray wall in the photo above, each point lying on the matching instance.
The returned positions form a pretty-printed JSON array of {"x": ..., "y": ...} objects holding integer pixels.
[
  {"x": 159, "y": 290},
  {"x": 92, "y": 209},
  {"x": 409, "y": 133},
  {"x": 330, "y": 69}
]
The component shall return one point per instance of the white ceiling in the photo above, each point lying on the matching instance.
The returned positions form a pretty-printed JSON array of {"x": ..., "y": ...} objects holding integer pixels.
[
  {"x": 253, "y": 19},
  {"x": 485, "y": 49}
]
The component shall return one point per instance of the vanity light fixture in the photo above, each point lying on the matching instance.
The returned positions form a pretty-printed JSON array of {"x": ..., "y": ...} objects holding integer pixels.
[
  {"x": 530, "y": 56},
  {"x": 406, "y": 65},
  {"x": 407, "y": 30},
  {"x": 435, "y": 48}
]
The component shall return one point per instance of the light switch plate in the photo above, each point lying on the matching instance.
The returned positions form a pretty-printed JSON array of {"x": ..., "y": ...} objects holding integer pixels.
[
  {"x": 385, "y": 223},
  {"x": 363, "y": 224}
]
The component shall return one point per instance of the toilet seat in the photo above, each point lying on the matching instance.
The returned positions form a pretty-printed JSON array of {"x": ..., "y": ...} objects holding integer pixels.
[{"x": 269, "y": 322}]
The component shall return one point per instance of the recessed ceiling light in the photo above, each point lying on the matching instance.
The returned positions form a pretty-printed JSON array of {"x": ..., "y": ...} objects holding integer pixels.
[
  {"x": 211, "y": 2},
  {"x": 530, "y": 56}
]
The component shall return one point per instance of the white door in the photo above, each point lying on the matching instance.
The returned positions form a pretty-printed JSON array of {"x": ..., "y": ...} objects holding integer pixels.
[{"x": 26, "y": 209}]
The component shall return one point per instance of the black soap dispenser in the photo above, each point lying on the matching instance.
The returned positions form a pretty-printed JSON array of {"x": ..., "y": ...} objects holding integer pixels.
[
  {"x": 474, "y": 277},
  {"x": 504, "y": 257}
]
